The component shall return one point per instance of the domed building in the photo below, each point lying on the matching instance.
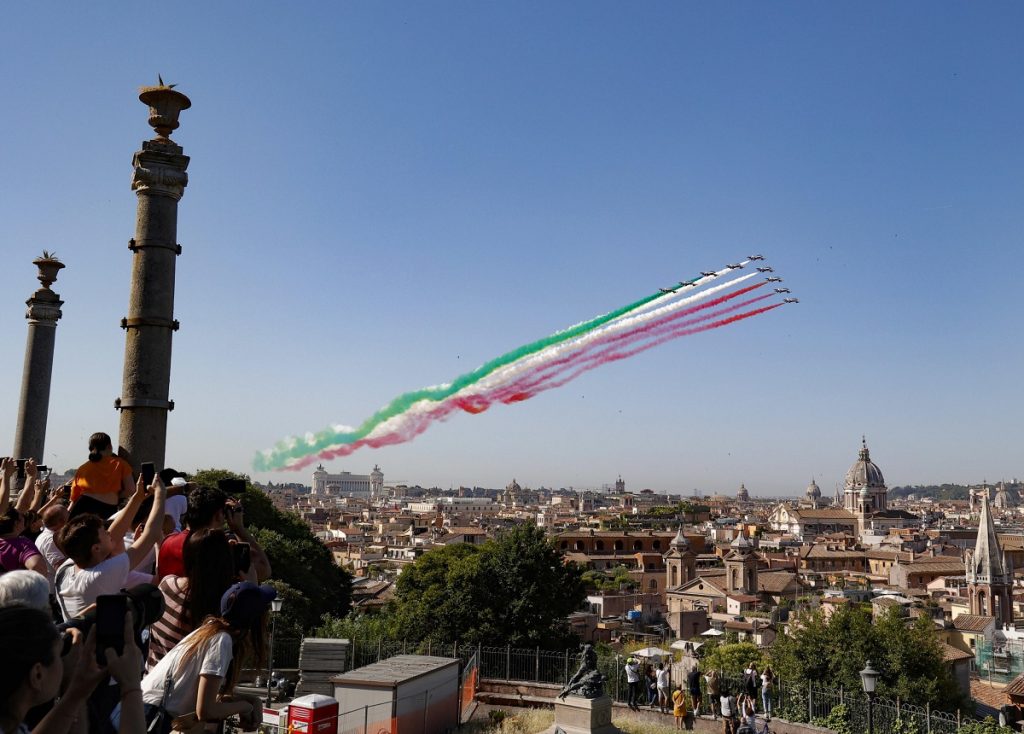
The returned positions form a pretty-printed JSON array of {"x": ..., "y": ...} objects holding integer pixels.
[
  {"x": 813, "y": 494},
  {"x": 864, "y": 479},
  {"x": 742, "y": 495}
]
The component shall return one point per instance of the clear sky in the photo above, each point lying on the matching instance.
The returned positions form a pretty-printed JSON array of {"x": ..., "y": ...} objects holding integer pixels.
[{"x": 385, "y": 195}]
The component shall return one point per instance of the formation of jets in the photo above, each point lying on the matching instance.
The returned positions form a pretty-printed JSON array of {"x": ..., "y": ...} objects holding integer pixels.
[{"x": 735, "y": 266}]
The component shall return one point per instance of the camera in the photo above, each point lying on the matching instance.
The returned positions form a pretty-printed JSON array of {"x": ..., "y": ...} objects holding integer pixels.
[{"x": 231, "y": 487}]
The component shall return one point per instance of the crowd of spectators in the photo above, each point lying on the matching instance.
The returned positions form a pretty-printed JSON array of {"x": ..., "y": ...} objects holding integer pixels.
[{"x": 125, "y": 607}]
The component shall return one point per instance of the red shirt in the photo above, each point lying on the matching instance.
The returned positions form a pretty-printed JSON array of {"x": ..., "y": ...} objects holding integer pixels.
[{"x": 169, "y": 561}]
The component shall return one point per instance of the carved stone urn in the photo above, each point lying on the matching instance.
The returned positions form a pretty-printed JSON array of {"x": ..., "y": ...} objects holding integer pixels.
[
  {"x": 48, "y": 266},
  {"x": 165, "y": 104}
]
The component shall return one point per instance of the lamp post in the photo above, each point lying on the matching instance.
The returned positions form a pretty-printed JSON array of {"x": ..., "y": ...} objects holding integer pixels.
[
  {"x": 275, "y": 609},
  {"x": 868, "y": 680}
]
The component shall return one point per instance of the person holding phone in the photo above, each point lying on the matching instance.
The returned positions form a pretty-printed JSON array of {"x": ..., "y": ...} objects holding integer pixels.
[
  {"x": 98, "y": 562},
  {"x": 102, "y": 481},
  {"x": 189, "y": 599},
  {"x": 203, "y": 668}
]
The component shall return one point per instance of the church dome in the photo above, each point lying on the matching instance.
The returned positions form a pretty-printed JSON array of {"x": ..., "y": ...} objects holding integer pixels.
[
  {"x": 680, "y": 542},
  {"x": 742, "y": 494},
  {"x": 813, "y": 492},
  {"x": 864, "y": 472}
]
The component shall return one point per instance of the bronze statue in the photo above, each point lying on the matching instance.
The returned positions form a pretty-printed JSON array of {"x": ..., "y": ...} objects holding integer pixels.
[{"x": 586, "y": 682}]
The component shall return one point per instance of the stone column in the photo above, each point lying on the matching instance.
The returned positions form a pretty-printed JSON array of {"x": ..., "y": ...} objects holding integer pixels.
[
  {"x": 159, "y": 180},
  {"x": 42, "y": 314}
]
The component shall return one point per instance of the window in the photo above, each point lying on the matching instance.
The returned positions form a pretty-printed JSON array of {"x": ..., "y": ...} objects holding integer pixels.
[{"x": 599, "y": 545}]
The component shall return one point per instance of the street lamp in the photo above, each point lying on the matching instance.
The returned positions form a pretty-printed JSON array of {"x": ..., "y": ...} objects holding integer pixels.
[
  {"x": 275, "y": 608},
  {"x": 868, "y": 680}
]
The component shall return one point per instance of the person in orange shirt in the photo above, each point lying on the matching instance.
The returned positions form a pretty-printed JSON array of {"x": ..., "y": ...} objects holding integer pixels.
[{"x": 102, "y": 481}]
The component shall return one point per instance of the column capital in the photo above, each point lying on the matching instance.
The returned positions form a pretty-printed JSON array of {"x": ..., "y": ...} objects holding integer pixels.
[
  {"x": 159, "y": 170},
  {"x": 43, "y": 308}
]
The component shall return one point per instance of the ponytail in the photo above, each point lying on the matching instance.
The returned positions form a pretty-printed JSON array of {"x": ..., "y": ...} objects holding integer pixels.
[{"x": 98, "y": 443}]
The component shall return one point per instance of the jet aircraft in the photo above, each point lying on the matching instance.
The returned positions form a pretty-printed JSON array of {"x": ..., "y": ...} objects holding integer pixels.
[
  {"x": 791, "y": 300},
  {"x": 755, "y": 257},
  {"x": 766, "y": 269},
  {"x": 773, "y": 280},
  {"x": 782, "y": 290},
  {"x": 707, "y": 274},
  {"x": 735, "y": 266}
]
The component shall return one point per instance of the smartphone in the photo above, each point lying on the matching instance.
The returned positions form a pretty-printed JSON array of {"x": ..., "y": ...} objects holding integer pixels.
[
  {"x": 242, "y": 556},
  {"x": 231, "y": 486},
  {"x": 110, "y": 613},
  {"x": 148, "y": 473},
  {"x": 21, "y": 467},
  {"x": 43, "y": 469}
]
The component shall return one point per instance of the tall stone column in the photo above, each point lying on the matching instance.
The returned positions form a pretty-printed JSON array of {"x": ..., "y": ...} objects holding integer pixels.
[
  {"x": 159, "y": 180},
  {"x": 42, "y": 314}
]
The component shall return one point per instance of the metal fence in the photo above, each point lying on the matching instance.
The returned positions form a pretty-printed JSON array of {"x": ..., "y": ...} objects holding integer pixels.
[{"x": 799, "y": 702}]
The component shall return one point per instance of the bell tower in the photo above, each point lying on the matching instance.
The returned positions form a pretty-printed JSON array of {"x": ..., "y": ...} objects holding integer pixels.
[
  {"x": 680, "y": 562},
  {"x": 989, "y": 574}
]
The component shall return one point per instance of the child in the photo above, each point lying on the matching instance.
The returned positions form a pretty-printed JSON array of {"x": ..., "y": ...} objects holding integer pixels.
[{"x": 679, "y": 705}]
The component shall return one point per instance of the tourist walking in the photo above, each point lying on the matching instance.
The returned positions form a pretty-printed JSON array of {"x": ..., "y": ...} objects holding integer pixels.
[
  {"x": 730, "y": 711},
  {"x": 664, "y": 687}
]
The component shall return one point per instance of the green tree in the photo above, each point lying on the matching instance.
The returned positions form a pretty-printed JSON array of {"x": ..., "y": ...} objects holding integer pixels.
[
  {"x": 908, "y": 654},
  {"x": 297, "y": 557},
  {"x": 514, "y": 590},
  {"x": 731, "y": 659}
]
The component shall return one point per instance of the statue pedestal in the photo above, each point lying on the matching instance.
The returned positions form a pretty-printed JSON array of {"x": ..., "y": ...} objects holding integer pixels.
[{"x": 576, "y": 715}]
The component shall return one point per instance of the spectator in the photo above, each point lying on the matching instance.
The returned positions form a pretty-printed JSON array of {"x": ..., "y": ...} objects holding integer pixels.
[
  {"x": 101, "y": 481},
  {"x": 651, "y": 683},
  {"x": 679, "y": 705},
  {"x": 767, "y": 684},
  {"x": 751, "y": 678},
  {"x": 189, "y": 599},
  {"x": 33, "y": 668},
  {"x": 693, "y": 684},
  {"x": 730, "y": 711},
  {"x": 714, "y": 690},
  {"x": 25, "y": 588},
  {"x": 203, "y": 668},
  {"x": 177, "y": 495},
  {"x": 210, "y": 508},
  {"x": 16, "y": 551},
  {"x": 664, "y": 687},
  {"x": 633, "y": 681},
  {"x": 54, "y": 518},
  {"x": 97, "y": 562}
]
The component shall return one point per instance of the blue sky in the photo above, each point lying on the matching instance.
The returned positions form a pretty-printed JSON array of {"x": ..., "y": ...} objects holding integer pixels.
[{"x": 383, "y": 196}]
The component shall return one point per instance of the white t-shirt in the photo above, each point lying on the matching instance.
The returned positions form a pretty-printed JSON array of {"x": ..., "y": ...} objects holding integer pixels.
[
  {"x": 632, "y": 673},
  {"x": 79, "y": 587},
  {"x": 175, "y": 507},
  {"x": 663, "y": 678},
  {"x": 211, "y": 658},
  {"x": 50, "y": 552}
]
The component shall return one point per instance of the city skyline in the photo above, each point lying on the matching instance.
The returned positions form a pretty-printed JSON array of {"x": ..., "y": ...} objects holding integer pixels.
[{"x": 382, "y": 198}]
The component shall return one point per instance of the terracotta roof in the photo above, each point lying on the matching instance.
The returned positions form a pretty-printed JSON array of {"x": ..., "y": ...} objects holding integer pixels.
[
  {"x": 775, "y": 582},
  {"x": 886, "y": 601},
  {"x": 972, "y": 622},
  {"x": 952, "y": 654},
  {"x": 942, "y": 567},
  {"x": 744, "y": 598},
  {"x": 1016, "y": 686},
  {"x": 989, "y": 698}
]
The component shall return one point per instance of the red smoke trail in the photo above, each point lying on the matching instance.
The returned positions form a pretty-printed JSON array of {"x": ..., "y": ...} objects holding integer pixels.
[
  {"x": 614, "y": 356},
  {"x": 528, "y": 386},
  {"x": 521, "y": 389}
]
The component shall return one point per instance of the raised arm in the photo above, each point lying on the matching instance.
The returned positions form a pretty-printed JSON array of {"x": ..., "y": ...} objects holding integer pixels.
[
  {"x": 236, "y": 521},
  {"x": 7, "y": 469},
  {"x": 154, "y": 530},
  {"x": 28, "y": 490},
  {"x": 121, "y": 522}
]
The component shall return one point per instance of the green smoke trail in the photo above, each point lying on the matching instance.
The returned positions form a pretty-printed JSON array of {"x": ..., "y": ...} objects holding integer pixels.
[{"x": 299, "y": 448}]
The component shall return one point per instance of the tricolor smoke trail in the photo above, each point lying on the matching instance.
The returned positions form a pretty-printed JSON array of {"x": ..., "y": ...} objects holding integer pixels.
[{"x": 533, "y": 368}]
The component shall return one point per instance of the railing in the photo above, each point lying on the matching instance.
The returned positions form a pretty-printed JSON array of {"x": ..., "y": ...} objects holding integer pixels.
[{"x": 799, "y": 702}]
